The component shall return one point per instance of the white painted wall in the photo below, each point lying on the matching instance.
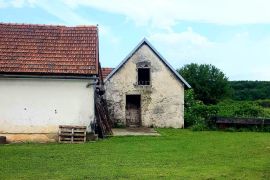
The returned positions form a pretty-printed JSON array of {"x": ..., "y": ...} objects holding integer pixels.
[{"x": 41, "y": 105}]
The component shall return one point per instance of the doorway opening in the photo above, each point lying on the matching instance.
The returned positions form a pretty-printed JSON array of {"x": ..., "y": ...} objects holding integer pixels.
[{"x": 133, "y": 110}]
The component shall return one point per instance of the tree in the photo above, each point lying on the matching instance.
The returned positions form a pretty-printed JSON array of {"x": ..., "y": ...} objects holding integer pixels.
[
  {"x": 210, "y": 85},
  {"x": 250, "y": 90}
]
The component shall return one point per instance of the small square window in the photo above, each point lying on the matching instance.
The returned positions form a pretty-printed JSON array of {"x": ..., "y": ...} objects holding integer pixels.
[{"x": 143, "y": 76}]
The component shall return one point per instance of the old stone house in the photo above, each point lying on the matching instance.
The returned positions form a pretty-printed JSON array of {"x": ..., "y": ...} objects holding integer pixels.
[
  {"x": 144, "y": 90},
  {"x": 47, "y": 79}
]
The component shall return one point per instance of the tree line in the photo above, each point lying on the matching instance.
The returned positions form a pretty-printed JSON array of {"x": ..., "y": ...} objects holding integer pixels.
[
  {"x": 210, "y": 85},
  {"x": 213, "y": 95},
  {"x": 250, "y": 90}
]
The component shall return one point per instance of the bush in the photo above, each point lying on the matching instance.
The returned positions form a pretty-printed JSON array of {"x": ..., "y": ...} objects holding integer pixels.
[
  {"x": 247, "y": 109},
  {"x": 199, "y": 125},
  {"x": 197, "y": 114},
  {"x": 264, "y": 103},
  {"x": 201, "y": 116},
  {"x": 190, "y": 119},
  {"x": 206, "y": 112},
  {"x": 230, "y": 129},
  {"x": 190, "y": 103}
]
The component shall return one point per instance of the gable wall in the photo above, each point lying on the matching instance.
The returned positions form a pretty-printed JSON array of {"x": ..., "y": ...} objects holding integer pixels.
[{"x": 162, "y": 105}]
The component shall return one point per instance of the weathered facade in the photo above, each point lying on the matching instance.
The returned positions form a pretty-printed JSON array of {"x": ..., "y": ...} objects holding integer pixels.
[
  {"x": 144, "y": 90},
  {"x": 47, "y": 78}
]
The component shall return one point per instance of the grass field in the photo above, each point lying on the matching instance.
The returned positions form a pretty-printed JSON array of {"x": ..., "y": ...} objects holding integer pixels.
[{"x": 176, "y": 154}]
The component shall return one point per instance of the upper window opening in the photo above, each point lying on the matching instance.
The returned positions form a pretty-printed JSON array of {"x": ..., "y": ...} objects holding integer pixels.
[{"x": 143, "y": 76}]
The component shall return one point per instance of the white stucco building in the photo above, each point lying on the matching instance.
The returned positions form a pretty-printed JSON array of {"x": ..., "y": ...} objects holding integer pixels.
[
  {"x": 47, "y": 79},
  {"x": 144, "y": 90}
]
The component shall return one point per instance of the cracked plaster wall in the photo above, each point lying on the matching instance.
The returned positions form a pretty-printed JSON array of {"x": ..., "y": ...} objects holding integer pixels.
[{"x": 162, "y": 104}]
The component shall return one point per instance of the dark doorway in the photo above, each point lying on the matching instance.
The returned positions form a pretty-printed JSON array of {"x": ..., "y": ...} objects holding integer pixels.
[{"x": 133, "y": 110}]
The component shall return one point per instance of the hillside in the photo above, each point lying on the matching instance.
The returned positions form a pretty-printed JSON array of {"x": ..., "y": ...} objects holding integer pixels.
[{"x": 250, "y": 90}]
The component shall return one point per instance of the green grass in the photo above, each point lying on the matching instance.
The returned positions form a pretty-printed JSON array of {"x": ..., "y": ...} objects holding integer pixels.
[{"x": 176, "y": 154}]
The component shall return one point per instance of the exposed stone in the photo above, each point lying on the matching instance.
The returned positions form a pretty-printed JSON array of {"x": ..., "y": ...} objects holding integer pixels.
[{"x": 162, "y": 102}]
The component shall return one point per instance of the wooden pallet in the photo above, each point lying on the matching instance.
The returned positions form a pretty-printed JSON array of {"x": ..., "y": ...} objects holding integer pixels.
[{"x": 72, "y": 134}]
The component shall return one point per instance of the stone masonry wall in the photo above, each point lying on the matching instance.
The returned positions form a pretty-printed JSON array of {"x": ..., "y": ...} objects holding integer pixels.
[{"x": 162, "y": 104}]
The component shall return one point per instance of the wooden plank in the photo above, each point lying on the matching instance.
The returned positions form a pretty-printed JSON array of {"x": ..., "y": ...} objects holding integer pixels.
[
  {"x": 66, "y": 134},
  {"x": 65, "y": 138},
  {"x": 66, "y": 130},
  {"x": 78, "y": 139},
  {"x": 79, "y": 131},
  {"x": 79, "y": 135},
  {"x": 72, "y": 134}
]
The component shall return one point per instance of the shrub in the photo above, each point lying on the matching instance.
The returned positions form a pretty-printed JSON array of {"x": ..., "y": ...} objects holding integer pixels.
[
  {"x": 199, "y": 125},
  {"x": 248, "y": 109},
  {"x": 201, "y": 115},
  {"x": 230, "y": 129},
  {"x": 190, "y": 119},
  {"x": 190, "y": 103},
  {"x": 204, "y": 111},
  {"x": 264, "y": 103}
]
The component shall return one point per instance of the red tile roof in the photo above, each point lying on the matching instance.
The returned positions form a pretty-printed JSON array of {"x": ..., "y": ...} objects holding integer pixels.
[
  {"x": 106, "y": 72},
  {"x": 48, "y": 49}
]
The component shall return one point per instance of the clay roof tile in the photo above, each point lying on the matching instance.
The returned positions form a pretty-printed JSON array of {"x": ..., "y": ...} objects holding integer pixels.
[{"x": 48, "y": 49}]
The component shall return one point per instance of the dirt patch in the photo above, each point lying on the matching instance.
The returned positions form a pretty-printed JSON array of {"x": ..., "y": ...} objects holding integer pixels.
[{"x": 17, "y": 138}]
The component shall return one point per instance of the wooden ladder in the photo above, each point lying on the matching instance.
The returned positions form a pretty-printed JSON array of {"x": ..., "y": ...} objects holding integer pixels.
[{"x": 72, "y": 134}]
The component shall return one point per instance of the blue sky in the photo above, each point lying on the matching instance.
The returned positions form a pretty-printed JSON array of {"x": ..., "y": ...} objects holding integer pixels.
[{"x": 232, "y": 35}]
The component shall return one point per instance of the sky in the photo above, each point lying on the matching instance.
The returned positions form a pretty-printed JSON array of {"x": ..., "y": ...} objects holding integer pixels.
[{"x": 232, "y": 35}]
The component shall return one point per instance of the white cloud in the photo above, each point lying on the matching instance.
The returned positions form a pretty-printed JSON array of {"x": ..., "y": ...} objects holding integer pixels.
[
  {"x": 3, "y": 4},
  {"x": 70, "y": 16},
  {"x": 55, "y": 8},
  {"x": 183, "y": 47},
  {"x": 165, "y": 14},
  {"x": 239, "y": 56},
  {"x": 188, "y": 37},
  {"x": 63, "y": 13},
  {"x": 66, "y": 14},
  {"x": 17, "y": 3}
]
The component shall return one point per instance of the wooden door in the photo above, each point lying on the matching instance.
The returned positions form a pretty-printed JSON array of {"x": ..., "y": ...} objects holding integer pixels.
[{"x": 133, "y": 110}]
